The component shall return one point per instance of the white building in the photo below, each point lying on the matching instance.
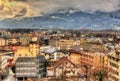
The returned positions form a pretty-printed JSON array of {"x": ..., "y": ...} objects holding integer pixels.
[
  {"x": 4, "y": 56},
  {"x": 12, "y": 41}
]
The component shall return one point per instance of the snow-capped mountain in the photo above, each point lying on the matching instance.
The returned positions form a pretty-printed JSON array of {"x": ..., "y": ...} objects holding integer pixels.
[{"x": 68, "y": 19}]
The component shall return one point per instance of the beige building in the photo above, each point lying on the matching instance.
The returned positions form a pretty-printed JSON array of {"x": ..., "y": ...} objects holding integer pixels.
[
  {"x": 23, "y": 51},
  {"x": 24, "y": 40},
  {"x": 34, "y": 48},
  {"x": 69, "y": 43},
  {"x": 34, "y": 38},
  {"x": 114, "y": 64},
  {"x": 2, "y": 42},
  {"x": 12, "y": 41},
  {"x": 91, "y": 55},
  {"x": 65, "y": 44}
]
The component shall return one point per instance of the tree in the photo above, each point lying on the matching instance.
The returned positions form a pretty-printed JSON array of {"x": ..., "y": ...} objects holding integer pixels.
[
  {"x": 13, "y": 69},
  {"x": 100, "y": 75}
]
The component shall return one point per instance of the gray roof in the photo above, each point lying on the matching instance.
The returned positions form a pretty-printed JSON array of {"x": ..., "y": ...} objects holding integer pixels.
[{"x": 50, "y": 50}]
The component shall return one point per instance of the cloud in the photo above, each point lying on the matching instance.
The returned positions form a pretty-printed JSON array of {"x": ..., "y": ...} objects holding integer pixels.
[
  {"x": 37, "y": 7},
  {"x": 83, "y": 5}
]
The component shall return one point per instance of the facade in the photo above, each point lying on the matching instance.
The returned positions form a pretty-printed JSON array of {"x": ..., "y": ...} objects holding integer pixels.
[
  {"x": 30, "y": 67},
  {"x": 42, "y": 66},
  {"x": 23, "y": 52},
  {"x": 94, "y": 59},
  {"x": 114, "y": 64},
  {"x": 34, "y": 48},
  {"x": 27, "y": 51},
  {"x": 75, "y": 57},
  {"x": 35, "y": 38},
  {"x": 4, "y": 57},
  {"x": 12, "y": 41},
  {"x": 52, "y": 54},
  {"x": 24, "y": 40},
  {"x": 3, "y": 60},
  {"x": 90, "y": 59},
  {"x": 66, "y": 68},
  {"x": 3, "y": 42},
  {"x": 65, "y": 44},
  {"x": 68, "y": 44},
  {"x": 26, "y": 67}
]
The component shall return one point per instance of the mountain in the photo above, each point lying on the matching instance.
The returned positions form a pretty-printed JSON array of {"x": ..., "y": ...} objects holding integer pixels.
[{"x": 67, "y": 19}]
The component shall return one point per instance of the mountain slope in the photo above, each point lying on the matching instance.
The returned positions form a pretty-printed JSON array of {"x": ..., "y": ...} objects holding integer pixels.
[{"x": 71, "y": 19}]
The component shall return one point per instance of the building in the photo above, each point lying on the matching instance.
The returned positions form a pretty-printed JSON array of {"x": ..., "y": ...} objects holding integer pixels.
[
  {"x": 3, "y": 60},
  {"x": 3, "y": 73},
  {"x": 64, "y": 69},
  {"x": 23, "y": 51},
  {"x": 42, "y": 66},
  {"x": 91, "y": 55},
  {"x": 65, "y": 44},
  {"x": 34, "y": 39},
  {"x": 27, "y": 51},
  {"x": 114, "y": 65},
  {"x": 3, "y": 42},
  {"x": 53, "y": 54},
  {"x": 4, "y": 64},
  {"x": 4, "y": 57},
  {"x": 12, "y": 41},
  {"x": 68, "y": 44},
  {"x": 24, "y": 40},
  {"x": 30, "y": 67},
  {"x": 34, "y": 48}
]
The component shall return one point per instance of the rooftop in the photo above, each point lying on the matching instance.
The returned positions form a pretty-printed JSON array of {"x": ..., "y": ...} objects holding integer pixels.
[
  {"x": 50, "y": 50},
  {"x": 26, "y": 59},
  {"x": 114, "y": 54},
  {"x": 89, "y": 48}
]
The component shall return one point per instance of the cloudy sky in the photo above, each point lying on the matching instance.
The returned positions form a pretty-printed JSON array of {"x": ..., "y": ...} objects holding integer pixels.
[{"x": 9, "y": 9}]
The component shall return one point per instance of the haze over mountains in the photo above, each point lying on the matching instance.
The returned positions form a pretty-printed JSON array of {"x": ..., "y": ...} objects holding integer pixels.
[
  {"x": 61, "y": 14},
  {"x": 67, "y": 19}
]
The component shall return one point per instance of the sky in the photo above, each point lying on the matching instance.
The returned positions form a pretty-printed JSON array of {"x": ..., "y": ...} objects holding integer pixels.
[{"x": 30, "y": 8}]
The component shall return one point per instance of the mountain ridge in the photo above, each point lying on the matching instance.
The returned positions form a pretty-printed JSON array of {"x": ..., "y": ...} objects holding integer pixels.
[{"x": 71, "y": 19}]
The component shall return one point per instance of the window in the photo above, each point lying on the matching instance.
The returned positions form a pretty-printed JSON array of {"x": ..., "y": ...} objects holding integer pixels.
[
  {"x": 114, "y": 65},
  {"x": 26, "y": 55}
]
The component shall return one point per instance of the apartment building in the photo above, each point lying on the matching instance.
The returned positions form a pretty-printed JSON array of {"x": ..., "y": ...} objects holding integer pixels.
[
  {"x": 90, "y": 55},
  {"x": 30, "y": 67},
  {"x": 114, "y": 65},
  {"x": 24, "y": 40},
  {"x": 12, "y": 41},
  {"x": 65, "y": 44},
  {"x": 22, "y": 51},
  {"x": 68, "y": 44},
  {"x": 34, "y": 48},
  {"x": 53, "y": 54},
  {"x": 4, "y": 56},
  {"x": 4, "y": 62},
  {"x": 3, "y": 42},
  {"x": 27, "y": 51}
]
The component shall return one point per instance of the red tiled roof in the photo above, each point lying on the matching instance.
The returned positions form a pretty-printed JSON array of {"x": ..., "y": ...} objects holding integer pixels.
[{"x": 63, "y": 60}]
